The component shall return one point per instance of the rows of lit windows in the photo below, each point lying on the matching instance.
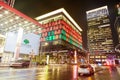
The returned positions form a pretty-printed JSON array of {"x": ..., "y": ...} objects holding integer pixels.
[
  {"x": 52, "y": 33},
  {"x": 57, "y": 18},
  {"x": 100, "y": 39},
  {"x": 101, "y": 49},
  {"x": 60, "y": 30},
  {"x": 51, "y": 36},
  {"x": 66, "y": 27},
  {"x": 98, "y": 56},
  {"x": 72, "y": 32},
  {"x": 58, "y": 25},
  {"x": 118, "y": 28}
]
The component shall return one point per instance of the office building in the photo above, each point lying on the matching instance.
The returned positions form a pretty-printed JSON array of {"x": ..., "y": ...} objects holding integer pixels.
[{"x": 99, "y": 34}]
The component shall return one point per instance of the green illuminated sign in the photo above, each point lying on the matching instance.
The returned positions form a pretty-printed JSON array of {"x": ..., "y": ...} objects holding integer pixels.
[{"x": 26, "y": 41}]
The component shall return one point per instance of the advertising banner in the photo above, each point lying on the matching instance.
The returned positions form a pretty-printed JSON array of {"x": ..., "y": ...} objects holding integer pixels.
[
  {"x": 10, "y": 42},
  {"x": 30, "y": 43}
]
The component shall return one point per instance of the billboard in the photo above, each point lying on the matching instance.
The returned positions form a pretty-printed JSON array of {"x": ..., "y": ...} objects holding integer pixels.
[
  {"x": 30, "y": 43},
  {"x": 98, "y": 16}
]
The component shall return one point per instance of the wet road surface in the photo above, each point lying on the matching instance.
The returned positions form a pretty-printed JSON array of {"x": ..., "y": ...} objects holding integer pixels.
[{"x": 55, "y": 72}]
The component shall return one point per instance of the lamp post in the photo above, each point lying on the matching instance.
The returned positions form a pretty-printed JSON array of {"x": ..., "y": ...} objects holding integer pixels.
[
  {"x": 31, "y": 56},
  {"x": 88, "y": 57},
  {"x": 75, "y": 57}
]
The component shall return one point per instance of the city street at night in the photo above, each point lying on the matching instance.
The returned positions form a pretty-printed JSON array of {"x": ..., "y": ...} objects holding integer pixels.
[
  {"x": 59, "y": 40},
  {"x": 55, "y": 72}
]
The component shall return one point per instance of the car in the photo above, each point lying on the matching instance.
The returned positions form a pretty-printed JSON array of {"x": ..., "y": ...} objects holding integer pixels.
[
  {"x": 85, "y": 69},
  {"x": 20, "y": 63}
]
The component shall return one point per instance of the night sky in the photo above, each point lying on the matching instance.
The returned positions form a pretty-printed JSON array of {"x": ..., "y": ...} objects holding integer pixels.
[{"x": 76, "y": 8}]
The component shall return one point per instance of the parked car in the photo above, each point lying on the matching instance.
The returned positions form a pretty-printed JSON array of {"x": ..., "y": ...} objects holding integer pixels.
[
  {"x": 85, "y": 69},
  {"x": 20, "y": 63}
]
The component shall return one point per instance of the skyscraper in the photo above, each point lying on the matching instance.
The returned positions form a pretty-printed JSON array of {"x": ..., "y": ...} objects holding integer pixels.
[
  {"x": 117, "y": 27},
  {"x": 117, "y": 21},
  {"x": 99, "y": 32}
]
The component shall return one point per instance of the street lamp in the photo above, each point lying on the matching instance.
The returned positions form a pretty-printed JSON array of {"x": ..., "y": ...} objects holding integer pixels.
[
  {"x": 31, "y": 56},
  {"x": 75, "y": 57}
]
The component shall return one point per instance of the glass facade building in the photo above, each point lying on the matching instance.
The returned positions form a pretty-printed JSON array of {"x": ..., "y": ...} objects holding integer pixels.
[
  {"x": 117, "y": 27},
  {"x": 117, "y": 22},
  {"x": 99, "y": 32}
]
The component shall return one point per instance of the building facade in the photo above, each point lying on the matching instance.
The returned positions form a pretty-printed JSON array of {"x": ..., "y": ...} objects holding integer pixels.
[
  {"x": 15, "y": 28},
  {"x": 99, "y": 33},
  {"x": 61, "y": 35},
  {"x": 117, "y": 21},
  {"x": 117, "y": 27}
]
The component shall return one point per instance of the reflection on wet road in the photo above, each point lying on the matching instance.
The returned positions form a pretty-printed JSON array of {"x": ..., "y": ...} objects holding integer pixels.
[{"x": 55, "y": 72}]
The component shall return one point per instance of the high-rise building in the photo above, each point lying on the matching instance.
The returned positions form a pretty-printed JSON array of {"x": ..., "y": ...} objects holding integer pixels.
[
  {"x": 9, "y": 2},
  {"x": 99, "y": 33},
  {"x": 61, "y": 33},
  {"x": 117, "y": 21},
  {"x": 117, "y": 27}
]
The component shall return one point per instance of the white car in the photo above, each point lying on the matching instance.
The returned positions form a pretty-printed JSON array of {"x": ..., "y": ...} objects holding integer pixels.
[
  {"x": 20, "y": 63},
  {"x": 85, "y": 69}
]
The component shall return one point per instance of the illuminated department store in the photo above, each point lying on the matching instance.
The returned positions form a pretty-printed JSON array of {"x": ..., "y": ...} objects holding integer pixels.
[
  {"x": 61, "y": 35},
  {"x": 18, "y": 34}
]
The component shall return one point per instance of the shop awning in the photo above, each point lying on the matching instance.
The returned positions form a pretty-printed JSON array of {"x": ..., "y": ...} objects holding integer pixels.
[{"x": 11, "y": 19}]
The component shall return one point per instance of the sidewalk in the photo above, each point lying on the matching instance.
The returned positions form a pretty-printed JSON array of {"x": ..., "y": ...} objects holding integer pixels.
[{"x": 4, "y": 65}]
